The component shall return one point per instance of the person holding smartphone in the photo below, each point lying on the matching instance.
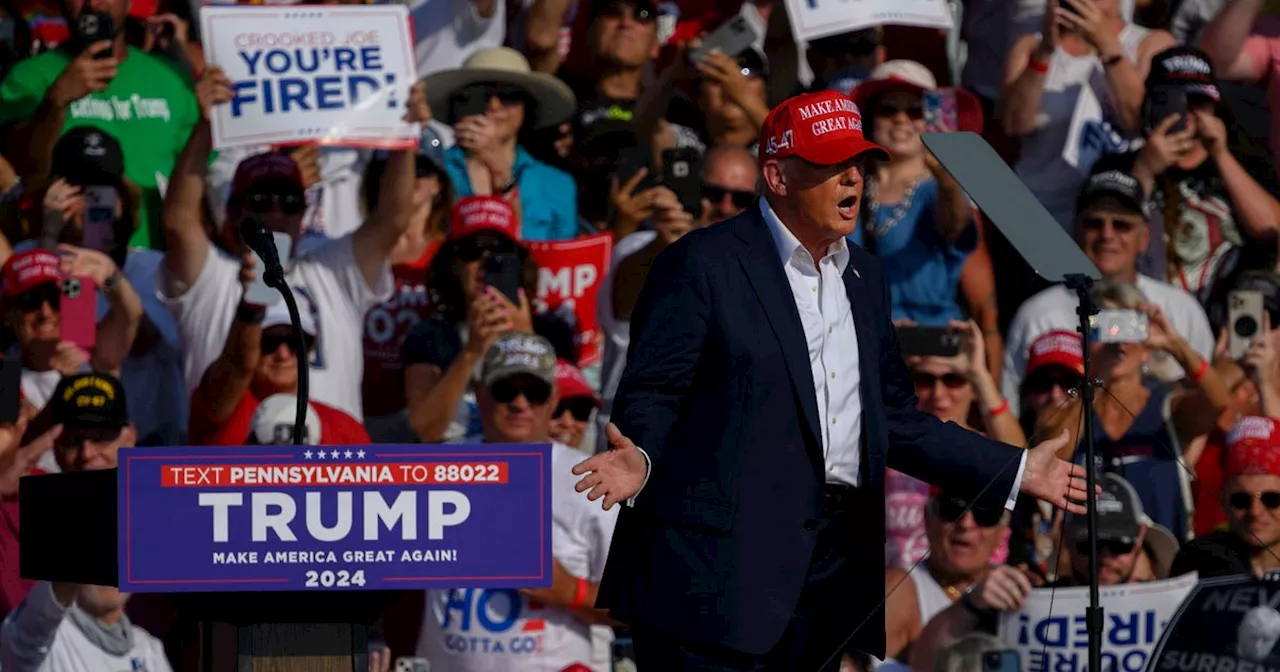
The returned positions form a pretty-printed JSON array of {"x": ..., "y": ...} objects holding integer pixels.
[{"x": 1085, "y": 68}]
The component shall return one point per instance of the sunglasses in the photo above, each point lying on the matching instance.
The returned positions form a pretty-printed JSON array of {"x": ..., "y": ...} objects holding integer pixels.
[
  {"x": 951, "y": 510},
  {"x": 32, "y": 300},
  {"x": 926, "y": 381},
  {"x": 473, "y": 248},
  {"x": 1111, "y": 547},
  {"x": 72, "y": 439},
  {"x": 271, "y": 342},
  {"x": 889, "y": 110},
  {"x": 1242, "y": 501},
  {"x": 1042, "y": 382},
  {"x": 507, "y": 94},
  {"x": 741, "y": 199},
  {"x": 617, "y": 10},
  {"x": 580, "y": 408},
  {"x": 261, "y": 203},
  {"x": 506, "y": 391},
  {"x": 1120, "y": 226}
]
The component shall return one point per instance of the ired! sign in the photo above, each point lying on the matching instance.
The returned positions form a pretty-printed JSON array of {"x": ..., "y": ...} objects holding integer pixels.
[{"x": 334, "y": 518}]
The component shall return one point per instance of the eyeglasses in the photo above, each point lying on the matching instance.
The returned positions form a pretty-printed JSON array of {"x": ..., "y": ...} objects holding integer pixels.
[
  {"x": 1243, "y": 501},
  {"x": 580, "y": 407},
  {"x": 1119, "y": 225},
  {"x": 33, "y": 299},
  {"x": 271, "y": 342},
  {"x": 1044, "y": 381},
  {"x": 741, "y": 199},
  {"x": 926, "y": 381},
  {"x": 889, "y": 110},
  {"x": 473, "y": 248},
  {"x": 261, "y": 203},
  {"x": 951, "y": 510},
  {"x": 1111, "y": 547},
  {"x": 506, "y": 391}
]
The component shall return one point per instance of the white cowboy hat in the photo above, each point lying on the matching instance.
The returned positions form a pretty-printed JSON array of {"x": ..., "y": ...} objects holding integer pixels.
[{"x": 555, "y": 102}]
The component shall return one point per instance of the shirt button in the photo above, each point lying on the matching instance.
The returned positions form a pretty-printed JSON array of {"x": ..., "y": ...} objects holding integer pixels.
[
  {"x": 815, "y": 288},
  {"x": 830, "y": 329},
  {"x": 833, "y": 375},
  {"x": 833, "y": 421}
]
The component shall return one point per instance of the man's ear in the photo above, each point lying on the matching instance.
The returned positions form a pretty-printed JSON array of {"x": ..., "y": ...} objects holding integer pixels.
[
  {"x": 129, "y": 436},
  {"x": 1142, "y": 537},
  {"x": 774, "y": 178}
]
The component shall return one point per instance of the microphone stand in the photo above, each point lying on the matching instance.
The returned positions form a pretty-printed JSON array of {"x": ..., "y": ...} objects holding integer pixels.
[
  {"x": 1082, "y": 285},
  {"x": 274, "y": 277}
]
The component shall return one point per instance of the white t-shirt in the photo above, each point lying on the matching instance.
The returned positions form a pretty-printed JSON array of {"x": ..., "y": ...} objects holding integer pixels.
[
  {"x": 329, "y": 277},
  {"x": 38, "y": 637},
  {"x": 1055, "y": 309},
  {"x": 447, "y": 32},
  {"x": 497, "y": 630}
]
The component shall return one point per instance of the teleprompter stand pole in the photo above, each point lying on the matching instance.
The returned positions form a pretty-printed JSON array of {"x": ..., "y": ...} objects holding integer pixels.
[{"x": 1082, "y": 285}]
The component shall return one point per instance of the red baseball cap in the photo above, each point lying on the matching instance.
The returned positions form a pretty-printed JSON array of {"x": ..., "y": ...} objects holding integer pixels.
[
  {"x": 262, "y": 167},
  {"x": 824, "y": 127},
  {"x": 570, "y": 382},
  {"x": 1062, "y": 348},
  {"x": 1253, "y": 448},
  {"x": 25, "y": 271},
  {"x": 143, "y": 9},
  {"x": 483, "y": 213}
]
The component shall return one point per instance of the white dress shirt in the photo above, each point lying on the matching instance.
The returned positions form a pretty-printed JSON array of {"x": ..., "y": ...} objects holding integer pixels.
[{"x": 827, "y": 318}]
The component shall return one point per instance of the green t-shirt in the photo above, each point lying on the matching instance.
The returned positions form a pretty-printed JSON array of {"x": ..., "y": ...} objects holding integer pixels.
[{"x": 150, "y": 108}]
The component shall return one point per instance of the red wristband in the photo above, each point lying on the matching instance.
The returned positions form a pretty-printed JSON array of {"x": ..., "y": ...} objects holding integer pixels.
[
  {"x": 1200, "y": 372},
  {"x": 998, "y": 410},
  {"x": 580, "y": 594},
  {"x": 1038, "y": 67}
]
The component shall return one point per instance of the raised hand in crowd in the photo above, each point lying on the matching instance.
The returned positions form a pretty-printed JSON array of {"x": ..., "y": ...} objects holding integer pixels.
[
  {"x": 1163, "y": 149},
  {"x": 670, "y": 220},
  {"x": 62, "y": 202},
  {"x": 380, "y": 659},
  {"x": 68, "y": 358},
  {"x": 119, "y": 327},
  {"x": 9, "y": 178},
  {"x": 480, "y": 136},
  {"x": 1211, "y": 132},
  {"x": 630, "y": 208},
  {"x": 734, "y": 86},
  {"x": 21, "y": 460},
  {"x": 1003, "y": 589},
  {"x": 308, "y": 159},
  {"x": 1088, "y": 20},
  {"x": 88, "y": 73},
  {"x": 213, "y": 88},
  {"x": 167, "y": 33},
  {"x": 487, "y": 319}
]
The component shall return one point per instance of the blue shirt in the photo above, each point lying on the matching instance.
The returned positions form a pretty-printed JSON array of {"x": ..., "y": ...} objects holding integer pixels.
[
  {"x": 923, "y": 267},
  {"x": 548, "y": 197}
]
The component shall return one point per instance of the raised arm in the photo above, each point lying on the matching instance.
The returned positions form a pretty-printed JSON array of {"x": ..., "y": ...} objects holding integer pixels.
[
  {"x": 542, "y": 34},
  {"x": 372, "y": 242},
  {"x": 119, "y": 327},
  {"x": 186, "y": 243},
  {"x": 1226, "y": 40},
  {"x": 227, "y": 379}
]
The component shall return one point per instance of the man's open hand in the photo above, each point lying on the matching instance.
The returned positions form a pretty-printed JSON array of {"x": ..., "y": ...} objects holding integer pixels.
[
  {"x": 616, "y": 474},
  {"x": 1054, "y": 480}
]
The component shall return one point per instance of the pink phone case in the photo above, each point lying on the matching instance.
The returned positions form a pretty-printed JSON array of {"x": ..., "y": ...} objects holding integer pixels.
[{"x": 78, "y": 311}]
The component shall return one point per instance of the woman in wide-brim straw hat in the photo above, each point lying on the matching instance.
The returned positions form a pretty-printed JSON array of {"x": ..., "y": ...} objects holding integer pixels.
[{"x": 489, "y": 101}]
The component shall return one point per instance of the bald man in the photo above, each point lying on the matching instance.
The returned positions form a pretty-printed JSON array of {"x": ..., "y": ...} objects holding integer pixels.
[{"x": 729, "y": 178}]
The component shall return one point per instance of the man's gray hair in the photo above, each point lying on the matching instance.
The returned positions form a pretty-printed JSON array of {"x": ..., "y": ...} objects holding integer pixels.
[
  {"x": 1113, "y": 295},
  {"x": 965, "y": 654}
]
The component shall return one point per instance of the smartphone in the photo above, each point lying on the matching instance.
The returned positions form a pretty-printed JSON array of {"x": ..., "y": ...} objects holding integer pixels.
[
  {"x": 469, "y": 102},
  {"x": 915, "y": 340},
  {"x": 940, "y": 112},
  {"x": 682, "y": 174},
  {"x": 732, "y": 38},
  {"x": 1119, "y": 326},
  {"x": 10, "y": 390},
  {"x": 1163, "y": 102},
  {"x": 622, "y": 654},
  {"x": 502, "y": 272},
  {"x": 631, "y": 161},
  {"x": 258, "y": 292},
  {"x": 412, "y": 664},
  {"x": 100, "y": 217},
  {"x": 1244, "y": 320},
  {"x": 78, "y": 311},
  {"x": 1001, "y": 661},
  {"x": 94, "y": 27}
]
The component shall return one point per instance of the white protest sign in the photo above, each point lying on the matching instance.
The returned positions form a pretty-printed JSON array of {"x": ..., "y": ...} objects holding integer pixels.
[
  {"x": 812, "y": 19},
  {"x": 333, "y": 75},
  {"x": 1050, "y": 635}
]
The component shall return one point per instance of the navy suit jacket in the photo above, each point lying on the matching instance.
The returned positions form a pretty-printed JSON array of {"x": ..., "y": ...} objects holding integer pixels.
[{"x": 718, "y": 391}]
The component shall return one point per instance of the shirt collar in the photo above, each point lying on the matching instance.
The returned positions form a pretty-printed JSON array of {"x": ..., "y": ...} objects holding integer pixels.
[{"x": 788, "y": 245}]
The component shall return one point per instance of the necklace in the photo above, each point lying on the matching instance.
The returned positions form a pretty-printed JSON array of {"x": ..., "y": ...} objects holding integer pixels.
[{"x": 900, "y": 209}]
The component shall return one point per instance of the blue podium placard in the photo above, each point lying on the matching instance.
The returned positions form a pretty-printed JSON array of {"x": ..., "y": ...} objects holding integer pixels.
[{"x": 390, "y": 517}]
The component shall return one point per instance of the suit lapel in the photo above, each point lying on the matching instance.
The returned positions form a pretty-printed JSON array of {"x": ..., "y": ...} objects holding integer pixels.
[{"x": 764, "y": 270}]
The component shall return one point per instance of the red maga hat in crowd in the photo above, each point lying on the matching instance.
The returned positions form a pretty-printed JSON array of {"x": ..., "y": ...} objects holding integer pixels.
[
  {"x": 1253, "y": 448},
  {"x": 824, "y": 127},
  {"x": 483, "y": 213},
  {"x": 1062, "y": 348},
  {"x": 25, "y": 271}
]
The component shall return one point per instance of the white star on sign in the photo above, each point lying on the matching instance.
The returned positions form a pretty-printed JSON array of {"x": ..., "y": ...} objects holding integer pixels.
[
  {"x": 321, "y": 455},
  {"x": 306, "y": 455},
  {"x": 360, "y": 454},
  {"x": 334, "y": 454},
  {"x": 347, "y": 454}
]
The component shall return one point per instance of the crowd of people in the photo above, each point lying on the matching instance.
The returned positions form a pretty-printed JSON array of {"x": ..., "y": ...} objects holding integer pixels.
[{"x": 108, "y": 174}]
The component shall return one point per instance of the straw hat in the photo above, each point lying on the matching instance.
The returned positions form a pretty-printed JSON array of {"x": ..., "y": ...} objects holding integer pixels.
[
  {"x": 555, "y": 102},
  {"x": 912, "y": 77}
]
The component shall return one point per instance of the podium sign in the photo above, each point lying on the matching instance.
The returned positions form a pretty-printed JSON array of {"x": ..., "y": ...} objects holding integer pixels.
[{"x": 314, "y": 518}]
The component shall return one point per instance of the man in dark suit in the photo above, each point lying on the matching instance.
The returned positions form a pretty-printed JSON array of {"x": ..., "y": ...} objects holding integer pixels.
[{"x": 765, "y": 395}]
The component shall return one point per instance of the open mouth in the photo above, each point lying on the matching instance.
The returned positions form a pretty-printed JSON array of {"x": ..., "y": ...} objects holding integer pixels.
[{"x": 848, "y": 207}]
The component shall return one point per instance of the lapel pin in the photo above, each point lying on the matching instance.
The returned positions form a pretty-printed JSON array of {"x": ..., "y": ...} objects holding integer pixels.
[{"x": 856, "y": 274}]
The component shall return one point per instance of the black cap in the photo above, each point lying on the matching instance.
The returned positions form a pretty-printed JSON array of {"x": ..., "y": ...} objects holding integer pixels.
[
  {"x": 89, "y": 401},
  {"x": 1120, "y": 513},
  {"x": 753, "y": 63},
  {"x": 1186, "y": 67},
  {"x": 85, "y": 155},
  {"x": 1112, "y": 184}
]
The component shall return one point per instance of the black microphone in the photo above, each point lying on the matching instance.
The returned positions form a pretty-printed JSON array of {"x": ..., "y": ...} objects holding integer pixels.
[{"x": 258, "y": 237}]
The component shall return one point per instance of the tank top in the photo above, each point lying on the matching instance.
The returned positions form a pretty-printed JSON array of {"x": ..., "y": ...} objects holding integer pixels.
[
  {"x": 1040, "y": 164},
  {"x": 931, "y": 599},
  {"x": 1145, "y": 458}
]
